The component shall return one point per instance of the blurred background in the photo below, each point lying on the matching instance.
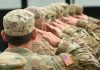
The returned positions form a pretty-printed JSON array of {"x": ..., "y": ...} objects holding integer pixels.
[{"x": 91, "y": 8}]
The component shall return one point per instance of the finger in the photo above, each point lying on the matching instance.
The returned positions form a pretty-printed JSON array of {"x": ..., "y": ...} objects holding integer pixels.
[
  {"x": 50, "y": 26},
  {"x": 66, "y": 18},
  {"x": 55, "y": 24},
  {"x": 40, "y": 31},
  {"x": 77, "y": 16},
  {"x": 60, "y": 22},
  {"x": 47, "y": 37}
]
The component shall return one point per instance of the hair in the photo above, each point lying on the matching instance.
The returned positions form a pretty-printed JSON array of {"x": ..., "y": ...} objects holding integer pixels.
[{"x": 19, "y": 40}]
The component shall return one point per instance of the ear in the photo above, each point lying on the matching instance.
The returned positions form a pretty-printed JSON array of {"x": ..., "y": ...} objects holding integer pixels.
[{"x": 3, "y": 36}]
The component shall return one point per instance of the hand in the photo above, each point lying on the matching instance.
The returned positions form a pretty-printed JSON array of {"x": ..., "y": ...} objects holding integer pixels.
[
  {"x": 61, "y": 27},
  {"x": 82, "y": 16},
  {"x": 71, "y": 20},
  {"x": 54, "y": 30},
  {"x": 62, "y": 23},
  {"x": 51, "y": 38}
]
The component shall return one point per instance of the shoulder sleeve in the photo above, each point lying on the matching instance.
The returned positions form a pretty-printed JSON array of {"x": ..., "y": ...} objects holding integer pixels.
[
  {"x": 82, "y": 55},
  {"x": 94, "y": 20},
  {"x": 87, "y": 25},
  {"x": 12, "y": 61}
]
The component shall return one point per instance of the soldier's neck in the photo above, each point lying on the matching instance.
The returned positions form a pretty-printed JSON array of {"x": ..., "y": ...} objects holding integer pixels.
[{"x": 26, "y": 45}]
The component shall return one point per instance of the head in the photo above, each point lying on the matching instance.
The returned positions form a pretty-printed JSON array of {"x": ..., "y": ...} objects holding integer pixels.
[
  {"x": 50, "y": 14},
  {"x": 39, "y": 16},
  {"x": 75, "y": 9},
  {"x": 79, "y": 9},
  {"x": 57, "y": 8},
  {"x": 63, "y": 7},
  {"x": 72, "y": 10},
  {"x": 18, "y": 27}
]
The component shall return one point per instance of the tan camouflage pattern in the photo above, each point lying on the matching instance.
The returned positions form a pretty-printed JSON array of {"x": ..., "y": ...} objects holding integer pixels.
[
  {"x": 65, "y": 6},
  {"x": 12, "y": 61},
  {"x": 46, "y": 62},
  {"x": 18, "y": 22},
  {"x": 93, "y": 29},
  {"x": 72, "y": 10},
  {"x": 81, "y": 37},
  {"x": 81, "y": 33},
  {"x": 43, "y": 47},
  {"x": 89, "y": 26},
  {"x": 75, "y": 9},
  {"x": 94, "y": 20},
  {"x": 38, "y": 13},
  {"x": 58, "y": 9},
  {"x": 49, "y": 14},
  {"x": 79, "y": 9}
]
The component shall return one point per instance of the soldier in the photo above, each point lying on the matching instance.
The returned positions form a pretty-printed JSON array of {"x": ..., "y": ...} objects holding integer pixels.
[
  {"x": 92, "y": 29},
  {"x": 19, "y": 31},
  {"x": 75, "y": 32},
  {"x": 79, "y": 35},
  {"x": 44, "y": 46},
  {"x": 87, "y": 40}
]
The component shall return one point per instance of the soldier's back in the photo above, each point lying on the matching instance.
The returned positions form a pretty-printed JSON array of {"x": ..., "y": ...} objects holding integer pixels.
[{"x": 12, "y": 61}]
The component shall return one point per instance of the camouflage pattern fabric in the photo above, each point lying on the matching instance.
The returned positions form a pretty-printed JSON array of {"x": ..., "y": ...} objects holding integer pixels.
[
  {"x": 80, "y": 36},
  {"x": 78, "y": 60},
  {"x": 14, "y": 27},
  {"x": 43, "y": 47},
  {"x": 12, "y": 61},
  {"x": 79, "y": 9},
  {"x": 94, "y": 20}
]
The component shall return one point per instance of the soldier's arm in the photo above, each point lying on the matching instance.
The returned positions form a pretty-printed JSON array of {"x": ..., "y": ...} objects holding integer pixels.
[
  {"x": 76, "y": 61},
  {"x": 89, "y": 26},
  {"x": 82, "y": 55},
  {"x": 94, "y": 20}
]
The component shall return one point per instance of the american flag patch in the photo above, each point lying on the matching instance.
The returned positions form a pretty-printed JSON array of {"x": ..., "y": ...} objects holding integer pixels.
[{"x": 67, "y": 59}]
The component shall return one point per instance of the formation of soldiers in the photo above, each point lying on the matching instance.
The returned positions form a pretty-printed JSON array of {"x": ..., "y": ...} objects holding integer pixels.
[{"x": 55, "y": 37}]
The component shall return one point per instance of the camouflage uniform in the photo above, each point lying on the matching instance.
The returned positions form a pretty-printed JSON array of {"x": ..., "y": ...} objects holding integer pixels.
[
  {"x": 77, "y": 33},
  {"x": 12, "y": 61},
  {"x": 92, "y": 29},
  {"x": 94, "y": 20},
  {"x": 43, "y": 47},
  {"x": 80, "y": 58},
  {"x": 80, "y": 36}
]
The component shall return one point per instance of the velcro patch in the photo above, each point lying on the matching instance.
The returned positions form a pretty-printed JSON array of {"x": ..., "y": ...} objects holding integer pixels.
[{"x": 67, "y": 59}]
